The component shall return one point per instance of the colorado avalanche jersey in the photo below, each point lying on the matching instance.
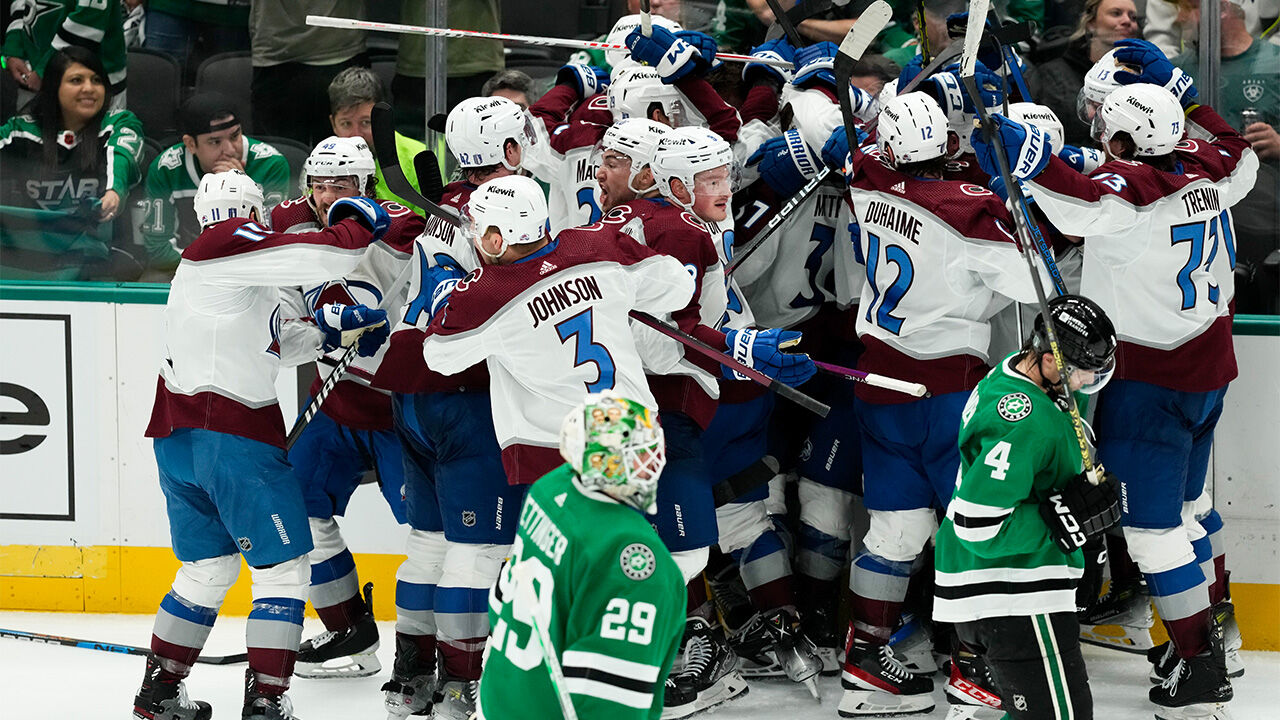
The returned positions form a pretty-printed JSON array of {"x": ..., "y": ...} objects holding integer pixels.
[
  {"x": 1159, "y": 252},
  {"x": 935, "y": 276},
  {"x": 379, "y": 275},
  {"x": 569, "y": 161},
  {"x": 222, "y": 323},
  {"x": 552, "y": 328}
]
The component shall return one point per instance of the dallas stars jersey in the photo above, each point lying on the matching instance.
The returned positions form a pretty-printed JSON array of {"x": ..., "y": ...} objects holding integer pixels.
[
  {"x": 170, "y": 224},
  {"x": 609, "y": 596},
  {"x": 26, "y": 176},
  {"x": 994, "y": 556},
  {"x": 39, "y": 28}
]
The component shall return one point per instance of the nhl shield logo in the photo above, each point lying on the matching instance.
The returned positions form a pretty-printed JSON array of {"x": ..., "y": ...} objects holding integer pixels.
[
  {"x": 1020, "y": 702},
  {"x": 469, "y": 518},
  {"x": 1253, "y": 90},
  {"x": 245, "y": 544}
]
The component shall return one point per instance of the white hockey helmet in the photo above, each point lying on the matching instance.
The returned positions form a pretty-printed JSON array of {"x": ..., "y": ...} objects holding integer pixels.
[
  {"x": 339, "y": 157},
  {"x": 618, "y": 36},
  {"x": 615, "y": 446},
  {"x": 477, "y": 130},
  {"x": 225, "y": 195},
  {"x": 683, "y": 153},
  {"x": 635, "y": 89},
  {"x": 1149, "y": 114},
  {"x": 637, "y": 138},
  {"x": 514, "y": 204},
  {"x": 912, "y": 129},
  {"x": 1041, "y": 117},
  {"x": 1099, "y": 82},
  {"x": 888, "y": 92}
]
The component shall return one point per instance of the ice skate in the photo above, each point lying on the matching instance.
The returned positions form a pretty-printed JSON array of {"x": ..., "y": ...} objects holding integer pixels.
[
  {"x": 876, "y": 683},
  {"x": 1198, "y": 687},
  {"x": 412, "y": 682},
  {"x": 753, "y": 645},
  {"x": 264, "y": 706},
  {"x": 709, "y": 675},
  {"x": 970, "y": 690},
  {"x": 1120, "y": 619},
  {"x": 159, "y": 699},
  {"x": 819, "y": 625},
  {"x": 779, "y": 648},
  {"x": 352, "y": 652},
  {"x": 455, "y": 699},
  {"x": 913, "y": 644},
  {"x": 1163, "y": 659}
]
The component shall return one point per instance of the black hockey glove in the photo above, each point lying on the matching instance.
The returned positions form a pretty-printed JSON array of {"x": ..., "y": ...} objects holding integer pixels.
[{"x": 1081, "y": 511}]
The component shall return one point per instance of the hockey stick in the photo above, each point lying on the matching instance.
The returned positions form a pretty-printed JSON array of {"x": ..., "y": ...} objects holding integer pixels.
[
  {"x": 646, "y": 19},
  {"x": 784, "y": 21},
  {"x": 384, "y": 136},
  {"x": 925, "y": 55},
  {"x": 752, "y": 374},
  {"x": 112, "y": 647},
  {"x": 874, "y": 380},
  {"x": 526, "y": 596},
  {"x": 353, "y": 24},
  {"x": 972, "y": 38}
]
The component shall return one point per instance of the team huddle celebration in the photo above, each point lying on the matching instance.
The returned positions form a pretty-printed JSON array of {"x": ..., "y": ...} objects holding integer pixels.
[{"x": 684, "y": 387}]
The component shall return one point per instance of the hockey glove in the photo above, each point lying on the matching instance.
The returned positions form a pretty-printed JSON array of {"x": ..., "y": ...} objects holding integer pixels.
[
  {"x": 1025, "y": 146},
  {"x": 1081, "y": 511},
  {"x": 1156, "y": 69},
  {"x": 786, "y": 162},
  {"x": 778, "y": 49},
  {"x": 588, "y": 80},
  {"x": 704, "y": 44},
  {"x": 814, "y": 63},
  {"x": 988, "y": 53},
  {"x": 762, "y": 350},
  {"x": 672, "y": 57},
  {"x": 1081, "y": 159},
  {"x": 439, "y": 281},
  {"x": 996, "y": 184},
  {"x": 948, "y": 89},
  {"x": 346, "y": 324},
  {"x": 836, "y": 153},
  {"x": 368, "y": 212}
]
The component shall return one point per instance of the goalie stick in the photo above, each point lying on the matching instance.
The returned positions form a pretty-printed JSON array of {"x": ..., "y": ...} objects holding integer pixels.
[
  {"x": 528, "y": 598},
  {"x": 112, "y": 647},
  {"x": 353, "y": 24},
  {"x": 428, "y": 171},
  {"x": 972, "y": 39}
]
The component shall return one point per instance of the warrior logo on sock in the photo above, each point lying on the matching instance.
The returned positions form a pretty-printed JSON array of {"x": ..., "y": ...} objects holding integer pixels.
[{"x": 637, "y": 561}]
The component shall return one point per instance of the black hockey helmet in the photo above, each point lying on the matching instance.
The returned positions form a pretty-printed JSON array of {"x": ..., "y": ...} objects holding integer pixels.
[{"x": 1085, "y": 335}]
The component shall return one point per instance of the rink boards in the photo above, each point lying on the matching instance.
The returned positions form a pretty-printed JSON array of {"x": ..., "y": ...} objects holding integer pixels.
[{"x": 82, "y": 524}]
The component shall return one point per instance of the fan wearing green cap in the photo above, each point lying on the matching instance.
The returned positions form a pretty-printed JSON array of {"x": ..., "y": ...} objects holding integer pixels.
[{"x": 590, "y": 606}]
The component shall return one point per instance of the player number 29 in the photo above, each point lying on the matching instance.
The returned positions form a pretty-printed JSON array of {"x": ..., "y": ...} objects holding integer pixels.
[{"x": 614, "y": 625}]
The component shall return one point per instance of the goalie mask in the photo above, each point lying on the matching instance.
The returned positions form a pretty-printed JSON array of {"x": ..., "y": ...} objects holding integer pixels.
[
  {"x": 635, "y": 89},
  {"x": 514, "y": 205},
  {"x": 637, "y": 139},
  {"x": 337, "y": 157},
  {"x": 1150, "y": 115},
  {"x": 477, "y": 130},
  {"x": 912, "y": 129},
  {"x": 1086, "y": 338},
  {"x": 225, "y": 195},
  {"x": 615, "y": 445}
]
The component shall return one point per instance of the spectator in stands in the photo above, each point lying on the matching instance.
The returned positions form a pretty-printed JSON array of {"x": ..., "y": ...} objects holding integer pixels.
[
  {"x": 1056, "y": 83},
  {"x": 1248, "y": 99},
  {"x": 212, "y": 141},
  {"x": 192, "y": 30},
  {"x": 293, "y": 64},
  {"x": 470, "y": 62},
  {"x": 37, "y": 30},
  {"x": 352, "y": 95},
  {"x": 513, "y": 85},
  {"x": 70, "y": 158}
]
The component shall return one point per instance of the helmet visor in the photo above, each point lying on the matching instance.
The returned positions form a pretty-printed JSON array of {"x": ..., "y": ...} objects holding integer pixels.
[{"x": 1090, "y": 382}]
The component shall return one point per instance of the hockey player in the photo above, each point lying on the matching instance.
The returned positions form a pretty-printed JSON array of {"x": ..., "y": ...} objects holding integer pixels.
[
  {"x": 589, "y": 609},
  {"x": 219, "y": 436},
  {"x": 460, "y": 506},
  {"x": 1170, "y": 299},
  {"x": 1021, "y": 511},
  {"x": 911, "y": 238},
  {"x": 351, "y": 435}
]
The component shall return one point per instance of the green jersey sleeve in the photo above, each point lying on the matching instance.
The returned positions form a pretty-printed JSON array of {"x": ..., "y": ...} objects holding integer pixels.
[{"x": 124, "y": 148}]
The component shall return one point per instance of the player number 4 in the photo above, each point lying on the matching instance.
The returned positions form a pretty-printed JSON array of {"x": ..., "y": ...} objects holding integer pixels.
[
  {"x": 998, "y": 460},
  {"x": 615, "y": 625}
]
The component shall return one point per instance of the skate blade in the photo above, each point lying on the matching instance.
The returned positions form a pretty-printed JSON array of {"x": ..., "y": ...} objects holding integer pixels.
[
  {"x": 859, "y": 703},
  {"x": 1118, "y": 637},
  {"x": 729, "y": 687},
  {"x": 1200, "y": 711},
  {"x": 351, "y": 666},
  {"x": 973, "y": 712},
  {"x": 811, "y": 684}
]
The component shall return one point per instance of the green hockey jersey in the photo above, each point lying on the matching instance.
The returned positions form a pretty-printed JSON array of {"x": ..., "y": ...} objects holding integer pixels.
[
  {"x": 610, "y": 596},
  {"x": 170, "y": 224},
  {"x": 994, "y": 556},
  {"x": 39, "y": 28},
  {"x": 29, "y": 182}
]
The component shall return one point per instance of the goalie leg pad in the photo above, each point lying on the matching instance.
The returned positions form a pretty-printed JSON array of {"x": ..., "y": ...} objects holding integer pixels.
[
  {"x": 416, "y": 582},
  {"x": 462, "y": 605}
]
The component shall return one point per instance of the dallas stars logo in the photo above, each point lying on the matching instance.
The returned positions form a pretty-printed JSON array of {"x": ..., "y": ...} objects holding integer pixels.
[
  {"x": 1014, "y": 406},
  {"x": 637, "y": 561}
]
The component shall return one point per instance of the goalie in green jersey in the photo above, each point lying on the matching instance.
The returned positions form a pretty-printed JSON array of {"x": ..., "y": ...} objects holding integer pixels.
[
  {"x": 1007, "y": 556},
  {"x": 589, "y": 610}
]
